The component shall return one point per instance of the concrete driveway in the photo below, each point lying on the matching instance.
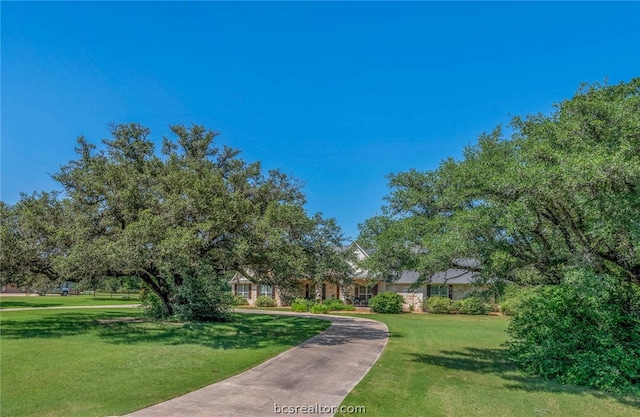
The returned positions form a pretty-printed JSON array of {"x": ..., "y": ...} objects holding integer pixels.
[{"x": 310, "y": 379}]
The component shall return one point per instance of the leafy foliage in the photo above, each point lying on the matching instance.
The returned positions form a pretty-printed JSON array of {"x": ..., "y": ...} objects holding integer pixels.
[
  {"x": 472, "y": 305},
  {"x": 511, "y": 298},
  {"x": 180, "y": 220},
  {"x": 386, "y": 302},
  {"x": 202, "y": 298},
  {"x": 585, "y": 331},
  {"x": 439, "y": 305},
  {"x": 335, "y": 304},
  {"x": 240, "y": 300},
  {"x": 318, "y": 308},
  {"x": 264, "y": 301},
  {"x": 300, "y": 305},
  {"x": 561, "y": 193},
  {"x": 151, "y": 304}
]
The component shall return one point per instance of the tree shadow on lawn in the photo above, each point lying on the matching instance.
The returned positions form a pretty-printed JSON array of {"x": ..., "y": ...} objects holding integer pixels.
[
  {"x": 493, "y": 361},
  {"x": 18, "y": 304},
  {"x": 54, "y": 325},
  {"x": 244, "y": 331}
]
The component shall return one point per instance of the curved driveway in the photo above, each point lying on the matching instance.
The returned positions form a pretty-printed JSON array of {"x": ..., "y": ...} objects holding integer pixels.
[{"x": 317, "y": 374}]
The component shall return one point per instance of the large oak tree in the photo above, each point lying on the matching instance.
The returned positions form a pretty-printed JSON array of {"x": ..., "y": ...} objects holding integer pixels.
[
  {"x": 194, "y": 213},
  {"x": 554, "y": 206},
  {"x": 560, "y": 191}
]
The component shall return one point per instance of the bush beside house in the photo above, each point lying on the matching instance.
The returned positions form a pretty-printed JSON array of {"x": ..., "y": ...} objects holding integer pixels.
[
  {"x": 439, "y": 305},
  {"x": 264, "y": 301},
  {"x": 387, "y": 303},
  {"x": 240, "y": 300},
  {"x": 300, "y": 305},
  {"x": 470, "y": 305}
]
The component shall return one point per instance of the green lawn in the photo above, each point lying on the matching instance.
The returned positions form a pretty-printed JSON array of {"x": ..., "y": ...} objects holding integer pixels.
[
  {"x": 101, "y": 299},
  {"x": 99, "y": 362},
  {"x": 452, "y": 365}
]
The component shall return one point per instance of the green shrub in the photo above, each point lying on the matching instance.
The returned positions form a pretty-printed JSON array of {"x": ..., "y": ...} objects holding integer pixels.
[
  {"x": 508, "y": 303},
  {"x": 510, "y": 306},
  {"x": 473, "y": 305},
  {"x": 203, "y": 297},
  {"x": 387, "y": 303},
  {"x": 338, "y": 305},
  {"x": 319, "y": 309},
  {"x": 439, "y": 305},
  {"x": 300, "y": 305},
  {"x": 151, "y": 304},
  {"x": 286, "y": 298},
  {"x": 582, "y": 332},
  {"x": 264, "y": 301},
  {"x": 240, "y": 300}
]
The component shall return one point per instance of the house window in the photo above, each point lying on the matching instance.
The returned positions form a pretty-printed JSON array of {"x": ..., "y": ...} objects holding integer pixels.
[
  {"x": 439, "y": 290},
  {"x": 365, "y": 293},
  {"x": 266, "y": 291},
  {"x": 244, "y": 290}
]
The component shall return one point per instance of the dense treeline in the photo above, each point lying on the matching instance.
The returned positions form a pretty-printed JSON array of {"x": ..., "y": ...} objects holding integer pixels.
[{"x": 556, "y": 202}]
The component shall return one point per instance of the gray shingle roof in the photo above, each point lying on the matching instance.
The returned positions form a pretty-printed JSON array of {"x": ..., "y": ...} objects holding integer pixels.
[{"x": 450, "y": 276}]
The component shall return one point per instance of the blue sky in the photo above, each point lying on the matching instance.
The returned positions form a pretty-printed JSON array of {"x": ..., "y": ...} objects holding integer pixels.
[{"x": 337, "y": 94}]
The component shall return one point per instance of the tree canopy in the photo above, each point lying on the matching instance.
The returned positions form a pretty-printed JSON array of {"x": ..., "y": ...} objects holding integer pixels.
[
  {"x": 554, "y": 207},
  {"x": 560, "y": 191},
  {"x": 193, "y": 212}
]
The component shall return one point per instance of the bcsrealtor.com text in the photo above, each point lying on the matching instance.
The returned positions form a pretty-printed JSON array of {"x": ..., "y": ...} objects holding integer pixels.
[{"x": 319, "y": 409}]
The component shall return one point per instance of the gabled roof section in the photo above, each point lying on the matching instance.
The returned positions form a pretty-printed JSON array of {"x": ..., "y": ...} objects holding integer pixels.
[
  {"x": 360, "y": 252},
  {"x": 238, "y": 278}
]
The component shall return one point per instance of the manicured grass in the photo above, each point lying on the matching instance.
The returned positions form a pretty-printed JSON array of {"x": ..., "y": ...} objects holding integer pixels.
[
  {"x": 453, "y": 365},
  {"x": 264, "y": 308},
  {"x": 101, "y": 362},
  {"x": 19, "y": 301}
]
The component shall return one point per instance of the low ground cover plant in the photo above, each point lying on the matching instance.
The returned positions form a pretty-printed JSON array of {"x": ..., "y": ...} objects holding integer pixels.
[
  {"x": 319, "y": 308},
  {"x": 301, "y": 305},
  {"x": 335, "y": 304}
]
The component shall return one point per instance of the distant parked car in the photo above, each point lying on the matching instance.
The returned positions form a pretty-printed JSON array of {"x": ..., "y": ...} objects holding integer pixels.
[
  {"x": 64, "y": 289},
  {"x": 59, "y": 290}
]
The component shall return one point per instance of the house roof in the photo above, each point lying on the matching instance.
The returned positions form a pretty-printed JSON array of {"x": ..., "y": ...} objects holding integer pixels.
[
  {"x": 450, "y": 276},
  {"x": 238, "y": 278}
]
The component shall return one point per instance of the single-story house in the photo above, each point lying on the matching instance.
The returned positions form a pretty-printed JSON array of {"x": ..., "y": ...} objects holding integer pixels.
[{"x": 455, "y": 283}]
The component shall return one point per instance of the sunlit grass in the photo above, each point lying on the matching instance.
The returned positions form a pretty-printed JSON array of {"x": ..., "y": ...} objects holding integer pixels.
[
  {"x": 100, "y": 299},
  {"x": 453, "y": 365},
  {"x": 110, "y": 362}
]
